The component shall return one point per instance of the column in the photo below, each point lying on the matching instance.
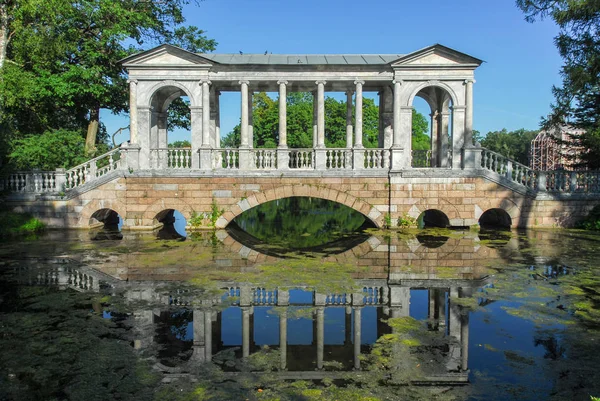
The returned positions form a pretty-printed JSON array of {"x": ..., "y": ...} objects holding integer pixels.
[
  {"x": 199, "y": 342},
  {"x": 380, "y": 120},
  {"x": 454, "y": 315},
  {"x": 315, "y": 125},
  {"x": 469, "y": 113},
  {"x": 397, "y": 142},
  {"x": 283, "y": 338},
  {"x": 320, "y": 114},
  {"x": 358, "y": 115},
  {"x": 435, "y": 140},
  {"x": 144, "y": 127},
  {"x": 205, "y": 114},
  {"x": 208, "y": 334},
  {"x": 458, "y": 135},
  {"x": 217, "y": 119},
  {"x": 349, "y": 118},
  {"x": 245, "y": 331},
  {"x": 133, "y": 115},
  {"x": 398, "y": 153},
  {"x": 161, "y": 140},
  {"x": 320, "y": 336},
  {"x": 357, "y": 337},
  {"x": 250, "y": 118},
  {"x": 196, "y": 116},
  {"x": 244, "y": 125},
  {"x": 443, "y": 132},
  {"x": 282, "y": 114},
  {"x": 388, "y": 117}
]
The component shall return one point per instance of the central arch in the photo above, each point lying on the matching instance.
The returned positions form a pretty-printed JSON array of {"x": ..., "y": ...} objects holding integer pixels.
[{"x": 303, "y": 190}]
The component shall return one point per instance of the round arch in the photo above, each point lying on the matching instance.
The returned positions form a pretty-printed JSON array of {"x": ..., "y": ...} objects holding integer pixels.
[
  {"x": 162, "y": 205},
  {"x": 433, "y": 218},
  {"x": 169, "y": 84},
  {"x": 495, "y": 218},
  {"x": 439, "y": 84},
  {"x": 288, "y": 191},
  {"x": 88, "y": 210}
]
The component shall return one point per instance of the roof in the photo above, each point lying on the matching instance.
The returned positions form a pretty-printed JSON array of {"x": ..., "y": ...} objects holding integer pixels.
[{"x": 306, "y": 59}]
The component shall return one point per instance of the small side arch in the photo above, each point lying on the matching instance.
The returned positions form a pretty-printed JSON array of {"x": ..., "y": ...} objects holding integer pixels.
[
  {"x": 439, "y": 84},
  {"x": 88, "y": 210},
  {"x": 288, "y": 191},
  {"x": 495, "y": 218},
  {"x": 152, "y": 92}
]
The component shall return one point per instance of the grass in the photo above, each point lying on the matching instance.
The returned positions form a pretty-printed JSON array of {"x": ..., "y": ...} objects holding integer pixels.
[{"x": 19, "y": 224}]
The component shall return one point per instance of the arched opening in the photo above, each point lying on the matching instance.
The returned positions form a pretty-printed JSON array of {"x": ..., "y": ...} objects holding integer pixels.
[
  {"x": 173, "y": 224},
  {"x": 301, "y": 223},
  {"x": 432, "y": 128},
  {"x": 106, "y": 224},
  {"x": 170, "y": 129},
  {"x": 433, "y": 218},
  {"x": 495, "y": 219}
]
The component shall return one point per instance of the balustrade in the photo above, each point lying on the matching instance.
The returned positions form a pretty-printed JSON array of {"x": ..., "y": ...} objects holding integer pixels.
[
  {"x": 93, "y": 169},
  {"x": 339, "y": 159},
  {"x": 376, "y": 158},
  {"x": 226, "y": 158},
  {"x": 264, "y": 159},
  {"x": 302, "y": 159},
  {"x": 421, "y": 158}
]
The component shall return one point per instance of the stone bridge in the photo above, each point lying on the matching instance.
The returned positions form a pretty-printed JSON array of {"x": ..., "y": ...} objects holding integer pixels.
[{"x": 456, "y": 183}]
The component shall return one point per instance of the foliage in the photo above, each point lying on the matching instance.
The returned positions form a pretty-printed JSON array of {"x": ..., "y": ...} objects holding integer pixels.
[
  {"x": 515, "y": 145},
  {"x": 592, "y": 220},
  {"x": 48, "y": 151},
  {"x": 180, "y": 144},
  {"x": 300, "y": 123},
  {"x": 215, "y": 213},
  {"x": 387, "y": 220},
  {"x": 407, "y": 221},
  {"x": 19, "y": 224},
  {"x": 62, "y": 58},
  {"x": 577, "y": 100}
]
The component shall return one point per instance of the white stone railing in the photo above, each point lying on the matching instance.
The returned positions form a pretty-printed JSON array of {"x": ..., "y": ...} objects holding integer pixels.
[
  {"x": 302, "y": 159},
  {"x": 509, "y": 169},
  {"x": 340, "y": 159},
  {"x": 36, "y": 181},
  {"x": 421, "y": 158},
  {"x": 264, "y": 159},
  {"x": 263, "y": 296},
  {"x": 171, "y": 158},
  {"x": 226, "y": 158},
  {"x": 375, "y": 295},
  {"x": 376, "y": 158},
  {"x": 93, "y": 169}
]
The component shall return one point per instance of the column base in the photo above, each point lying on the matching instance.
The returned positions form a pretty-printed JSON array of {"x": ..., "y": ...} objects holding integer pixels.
[
  {"x": 471, "y": 157},
  {"x": 283, "y": 158},
  {"x": 399, "y": 159},
  {"x": 205, "y": 158}
]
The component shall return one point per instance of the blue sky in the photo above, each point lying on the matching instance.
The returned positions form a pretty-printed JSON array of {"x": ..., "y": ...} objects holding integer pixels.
[{"x": 513, "y": 88}]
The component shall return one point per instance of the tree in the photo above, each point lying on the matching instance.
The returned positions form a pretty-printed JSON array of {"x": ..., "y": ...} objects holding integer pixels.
[
  {"x": 61, "y": 58},
  {"x": 512, "y": 144},
  {"x": 577, "y": 100},
  {"x": 300, "y": 123},
  {"x": 420, "y": 127}
]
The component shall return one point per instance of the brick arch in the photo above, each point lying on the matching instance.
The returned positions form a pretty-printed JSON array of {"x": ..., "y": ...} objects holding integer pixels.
[
  {"x": 98, "y": 204},
  {"x": 449, "y": 209},
  {"x": 165, "y": 204},
  {"x": 313, "y": 191},
  {"x": 506, "y": 204}
]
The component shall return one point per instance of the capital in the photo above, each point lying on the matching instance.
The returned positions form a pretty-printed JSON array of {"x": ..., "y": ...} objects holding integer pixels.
[
  {"x": 321, "y": 82},
  {"x": 132, "y": 81},
  {"x": 244, "y": 82},
  {"x": 469, "y": 81},
  {"x": 398, "y": 82},
  {"x": 359, "y": 82},
  {"x": 349, "y": 92},
  {"x": 205, "y": 81},
  {"x": 282, "y": 82}
]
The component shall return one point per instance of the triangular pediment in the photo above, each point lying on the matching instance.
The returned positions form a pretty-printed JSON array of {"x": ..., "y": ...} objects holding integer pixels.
[
  {"x": 166, "y": 56},
  {"x": 436, "y": 56}
]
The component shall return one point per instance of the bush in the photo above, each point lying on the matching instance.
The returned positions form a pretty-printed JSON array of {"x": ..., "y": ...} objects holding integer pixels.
[
  {"x": 48, "y": 151},
  {"x": 592, "y": 221},
  {"x": 18, "y": 224}
]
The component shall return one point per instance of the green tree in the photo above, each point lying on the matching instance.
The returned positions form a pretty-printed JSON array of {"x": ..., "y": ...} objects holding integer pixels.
[
  {"x": 61, "y": 58},
  {"x": 300, "y": 123},
  {"x": 577, "y": 100},
  {"x": 420, "y": 127},
  {"x": 512, "y": 144}
]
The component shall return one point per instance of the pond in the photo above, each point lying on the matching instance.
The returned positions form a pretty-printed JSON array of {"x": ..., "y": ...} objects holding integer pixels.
[{"x": 300, "y": 300}]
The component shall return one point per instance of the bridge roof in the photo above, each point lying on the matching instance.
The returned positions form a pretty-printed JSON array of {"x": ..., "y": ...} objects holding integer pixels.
[{"x": 306, "y": 59}]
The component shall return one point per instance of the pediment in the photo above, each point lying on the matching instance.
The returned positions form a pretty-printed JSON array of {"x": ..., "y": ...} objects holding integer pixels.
[
  {"x": 166, "y": 56},
  {"x": 436, "y": 56}
]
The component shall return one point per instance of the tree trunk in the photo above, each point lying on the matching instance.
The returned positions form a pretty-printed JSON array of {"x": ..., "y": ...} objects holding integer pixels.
[
  {"x": 92, "y": 132},
  {"x": 3, "y": 31}
]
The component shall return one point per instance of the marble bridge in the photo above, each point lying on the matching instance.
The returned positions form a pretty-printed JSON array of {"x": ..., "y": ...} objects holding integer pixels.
[{"x": 456, "y": 183}]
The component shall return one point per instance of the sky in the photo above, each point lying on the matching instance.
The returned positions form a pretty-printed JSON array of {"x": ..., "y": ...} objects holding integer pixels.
[{"x": 513, "y": 85}]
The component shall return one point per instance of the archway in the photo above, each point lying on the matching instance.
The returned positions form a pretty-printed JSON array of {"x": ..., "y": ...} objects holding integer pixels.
[
  {"x": 170, "y": 128},
  {"x": 495, "y": 218},
  {"x": 173, "y": 224},
  {"x": 106, "y": 225},
  {"x": 433, "y": 218},
  {"x": 435, "y": 151}
]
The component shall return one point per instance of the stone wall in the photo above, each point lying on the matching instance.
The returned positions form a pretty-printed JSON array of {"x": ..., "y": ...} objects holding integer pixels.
[{"x": 138, "y": 200}]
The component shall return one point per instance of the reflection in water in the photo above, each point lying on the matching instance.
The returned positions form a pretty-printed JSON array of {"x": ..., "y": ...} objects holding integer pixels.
[
  {"x": 411, "y": 307},
  {"x": 301, "y": 223},
  {"x": 173, "y": 225},
  {"x": 106, "y": 233}
]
